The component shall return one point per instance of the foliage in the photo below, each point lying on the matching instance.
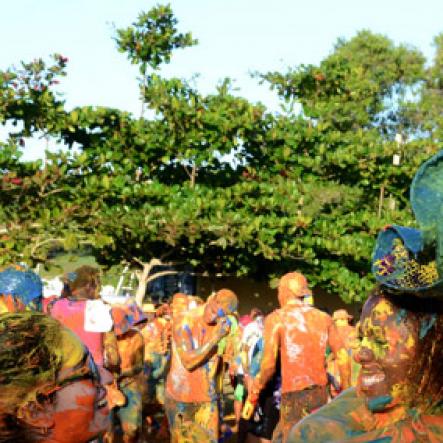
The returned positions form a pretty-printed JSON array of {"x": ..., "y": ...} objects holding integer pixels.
[
  {"x": 27, "y": 96},
  {"x": 152, "y": 38},
  {"x": 216, "y": 181}
]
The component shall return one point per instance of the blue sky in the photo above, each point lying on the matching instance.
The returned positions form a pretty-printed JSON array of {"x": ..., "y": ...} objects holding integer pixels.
[{"x": 235, "y": 38}]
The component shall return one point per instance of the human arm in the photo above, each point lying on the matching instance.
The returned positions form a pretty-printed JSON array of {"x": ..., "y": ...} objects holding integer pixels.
[
  {"x": 190, "y": 356},
  {"x": 271, "y": 338},
  {"x": 337, "y": 343},
  {"x": 110, "y": 352}
]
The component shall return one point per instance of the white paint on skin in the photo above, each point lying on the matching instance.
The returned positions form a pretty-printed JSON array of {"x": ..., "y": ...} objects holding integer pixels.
[
  {"x": 299, "y": 320},
  {"x": 323, "y": 339},
  {"x": 293, "y": 351},
  {"x": 179, "y": 376}
]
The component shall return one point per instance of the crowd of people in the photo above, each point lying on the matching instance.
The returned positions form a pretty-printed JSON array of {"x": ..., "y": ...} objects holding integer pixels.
[
  {"x": 162, "y": 369},
  {"x": 75, "y": 369}
]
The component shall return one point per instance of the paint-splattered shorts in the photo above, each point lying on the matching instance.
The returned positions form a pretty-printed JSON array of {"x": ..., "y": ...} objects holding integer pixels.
[
  {"x": 193, "y": 422},
  {"x": 131, "y": 414},
  {"x": 295, "y": 406}
]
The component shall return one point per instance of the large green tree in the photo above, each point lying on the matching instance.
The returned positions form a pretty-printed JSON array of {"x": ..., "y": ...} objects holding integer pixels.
[{"x": 219, "y": 182}]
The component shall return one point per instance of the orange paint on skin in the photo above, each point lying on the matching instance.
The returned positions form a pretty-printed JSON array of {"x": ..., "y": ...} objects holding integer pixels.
[
  {"x": 80, "y": 410},
  {"x": 387, "y": 353},
  {"x": 191, "y": 385},
  {"x": 385, "y": 405},
  {"x": 297, "y": 334}
]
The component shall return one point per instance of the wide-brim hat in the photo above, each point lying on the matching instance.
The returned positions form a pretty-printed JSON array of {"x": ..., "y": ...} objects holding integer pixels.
[
  {"x": 23, "y": 284},
  {"x": 148, "y": 308},
  {"x": 341, "y": 314},
  {"x": 410, "y": 260}
]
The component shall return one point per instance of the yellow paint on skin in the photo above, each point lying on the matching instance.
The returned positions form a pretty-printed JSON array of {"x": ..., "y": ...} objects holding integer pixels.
[
  {"x": 400, "y": 391},
  {"x": 379, "y": 350},
  {"x": 294, "y": 286},
  {"x": 341, "y": 322},
  {"x": 72, "y": 352},
  {"x": 382, "y": 310},
  {"x": 342, "y": 357},
  {"x": 410, "y": 342}
]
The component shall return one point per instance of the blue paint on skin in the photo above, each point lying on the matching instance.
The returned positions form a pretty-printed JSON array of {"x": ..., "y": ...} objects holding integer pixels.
[
  {"x": 379, "y": 403},
  {"x": 426, "y": 324},
  {"x": 401, "y": 315},
  {"x": 189, "y": 332},
  {"x": 221, "y": 314}
]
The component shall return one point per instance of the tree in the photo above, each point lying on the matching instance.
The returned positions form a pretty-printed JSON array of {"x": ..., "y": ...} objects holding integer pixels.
[
  {"x": 343, "y": 139},
  {"x": 150, "y": 41},
  {"x": 221, "y": 183}
]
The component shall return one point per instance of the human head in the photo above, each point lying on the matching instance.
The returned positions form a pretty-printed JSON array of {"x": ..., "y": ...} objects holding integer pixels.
[
  {"x": 255, "y": 312},
  {"x": 401, "y": 352},
  {"x": 135, "y": 314},
  {"x": 51, "y": 390},
  {"x": 120, "y": 320},
  {"x": 223, "y": 302},
  {"x": 195, "y": 301},
  {"x": 84, "y": 283},
  {"x": 292, "y": 285},
  {"x": 149, "y": 310},
  {"x": 341, "y": 317},
  {"x": 20, "y": 289},
  {"x": 163, "y": 310}
]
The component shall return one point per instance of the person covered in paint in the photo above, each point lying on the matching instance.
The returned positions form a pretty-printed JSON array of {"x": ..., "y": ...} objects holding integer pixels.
[
  {"x": 83, "y": 286},
  {"x": 156, "y": 335},
  {"x": 346, "y": 334},
  {"x": 399, "y": 393},
  {"x": 260, "y": 427},
  {"x": 192, "y": 395},
  {"x": 20, "y": 289},
  {"x": 51, "y": 390},
  {"x": 250, "y": 334},
  {"x": 296, "y": 335},
  {"x": 131, "y": 377}
]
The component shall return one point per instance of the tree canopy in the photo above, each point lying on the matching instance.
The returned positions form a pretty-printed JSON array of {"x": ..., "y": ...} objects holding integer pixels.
[{"x": 215, "y": 180}]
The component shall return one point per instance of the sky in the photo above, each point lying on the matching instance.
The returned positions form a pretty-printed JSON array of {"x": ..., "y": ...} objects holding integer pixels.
[{"x": 236, "y": 37}]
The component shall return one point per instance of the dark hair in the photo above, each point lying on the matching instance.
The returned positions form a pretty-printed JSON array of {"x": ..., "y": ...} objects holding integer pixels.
[
  {"x": 30, "y": 358},
  {"x": 256, "y": 312},
  {"x": 80, "y": 279},
  {"x": 427, "y": 372}
]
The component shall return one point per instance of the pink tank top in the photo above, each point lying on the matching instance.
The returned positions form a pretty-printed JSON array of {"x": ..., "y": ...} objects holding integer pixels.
[{"x": 71, "y": 313}]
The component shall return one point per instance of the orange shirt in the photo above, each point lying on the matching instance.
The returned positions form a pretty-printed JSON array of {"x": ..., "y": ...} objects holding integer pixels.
[
  {"x": 299, "y": 334},
  {"x": 191, "y": 333}
]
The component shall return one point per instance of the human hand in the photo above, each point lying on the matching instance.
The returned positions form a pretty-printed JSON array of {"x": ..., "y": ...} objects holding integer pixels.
[
  {"x": 248, "y": 409},
  {"x": 222, "y": 328}
]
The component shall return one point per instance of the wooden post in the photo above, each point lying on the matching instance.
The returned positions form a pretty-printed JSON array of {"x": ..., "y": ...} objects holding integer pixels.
[{"x": 381, "y": 199}]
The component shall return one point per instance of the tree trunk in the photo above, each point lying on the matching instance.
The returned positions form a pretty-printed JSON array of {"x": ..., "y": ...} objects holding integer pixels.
[
  {"x": 144, "y": 278},
  {"x": 381, "y": 200},
  {"x": 193, "y": 175}
]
